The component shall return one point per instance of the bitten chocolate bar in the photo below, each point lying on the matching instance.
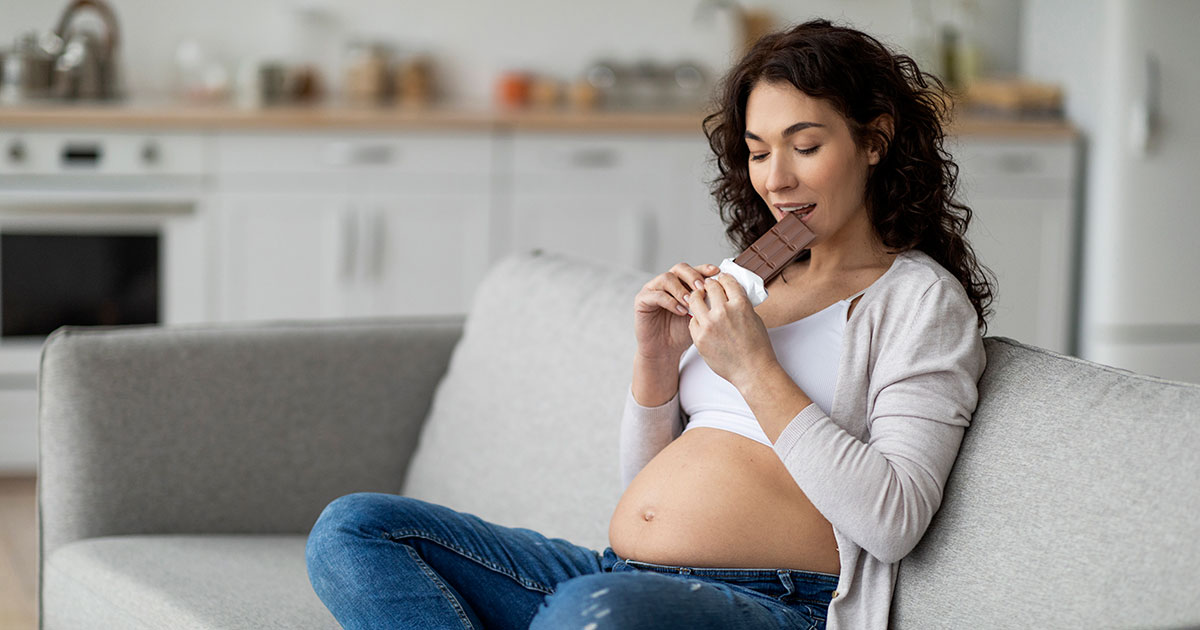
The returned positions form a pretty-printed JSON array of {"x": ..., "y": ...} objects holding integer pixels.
[{"x": 776, "y": 249}]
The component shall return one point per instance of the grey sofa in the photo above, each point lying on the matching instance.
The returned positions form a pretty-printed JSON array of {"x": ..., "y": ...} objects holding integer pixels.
[{"x": 181, "y": 468}]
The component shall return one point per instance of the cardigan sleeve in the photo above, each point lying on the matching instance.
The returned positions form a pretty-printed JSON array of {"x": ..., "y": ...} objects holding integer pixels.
[
  {"x": 882, "y": 493},
  {"x": 644, "y": 432}
]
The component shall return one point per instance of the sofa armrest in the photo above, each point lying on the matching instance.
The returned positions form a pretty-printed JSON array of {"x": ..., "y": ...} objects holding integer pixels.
[{"x": 227, "y": 428}]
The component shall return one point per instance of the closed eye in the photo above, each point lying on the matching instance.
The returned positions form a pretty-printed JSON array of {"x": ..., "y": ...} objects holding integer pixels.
[{"x": 758, "y": 157}]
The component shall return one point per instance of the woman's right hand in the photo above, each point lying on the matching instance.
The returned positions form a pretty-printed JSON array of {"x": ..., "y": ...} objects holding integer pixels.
[{"x": 661, "y": 312}]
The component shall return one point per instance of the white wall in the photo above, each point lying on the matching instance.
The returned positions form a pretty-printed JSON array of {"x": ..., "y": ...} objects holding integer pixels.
[{"x": 474, "y": 39}]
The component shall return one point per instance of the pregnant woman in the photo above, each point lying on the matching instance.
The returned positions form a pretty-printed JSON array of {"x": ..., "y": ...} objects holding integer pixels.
[{"x": 780, "y": 460}]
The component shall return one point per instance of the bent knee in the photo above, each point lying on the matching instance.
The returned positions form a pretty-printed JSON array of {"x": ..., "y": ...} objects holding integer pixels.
[{"x": 350, "y": 518}]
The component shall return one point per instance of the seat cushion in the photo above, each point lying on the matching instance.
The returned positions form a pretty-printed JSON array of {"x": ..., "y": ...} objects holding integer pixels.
[
  {"x": 523, "y": 429},
  {"x": 183, "y": 583}
]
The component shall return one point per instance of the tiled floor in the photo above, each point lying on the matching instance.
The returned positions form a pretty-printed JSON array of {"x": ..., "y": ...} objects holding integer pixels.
[{"x": 18, "y": 554}]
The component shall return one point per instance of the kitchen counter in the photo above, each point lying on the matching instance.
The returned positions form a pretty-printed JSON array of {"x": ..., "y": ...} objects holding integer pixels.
[{"x": 221, "y": 117}]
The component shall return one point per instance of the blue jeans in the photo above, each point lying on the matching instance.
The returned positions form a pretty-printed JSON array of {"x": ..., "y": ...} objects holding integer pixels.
[{"x": 387, "y": 561}]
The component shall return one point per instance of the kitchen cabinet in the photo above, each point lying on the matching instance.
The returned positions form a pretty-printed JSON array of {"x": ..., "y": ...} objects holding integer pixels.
[
  {"x": 1024, "y": 230},
  {"x": 368, "y": 226},
  {"x": 18, "y": 426},
  {"x": 630, "y": 201},
  {"x": 278, "y": 257},
  {"x": 421, "y": 254},
  {"x": 644, "y": 203}
]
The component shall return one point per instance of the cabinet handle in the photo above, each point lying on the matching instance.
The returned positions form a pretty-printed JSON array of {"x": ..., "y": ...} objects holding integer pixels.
[
  {"x": 1145, "y": 114},
  {"x": 373, "y": 226},
  {"x": 349, "y": 240},
  {"x": 648, "y": 237}
]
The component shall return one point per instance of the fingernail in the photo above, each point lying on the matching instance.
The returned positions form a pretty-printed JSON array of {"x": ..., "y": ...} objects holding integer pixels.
[
  {"x": 699, "y": 284},
  {"x": 680, "y": 310},
  {"x": 686, "y": 297}
]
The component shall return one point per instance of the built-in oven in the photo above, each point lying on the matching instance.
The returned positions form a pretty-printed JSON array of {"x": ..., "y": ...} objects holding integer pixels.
[{"x": 95, "y": 229}]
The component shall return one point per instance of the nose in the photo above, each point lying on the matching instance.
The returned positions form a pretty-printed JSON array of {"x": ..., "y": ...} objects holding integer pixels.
[{"x": 780, "y": 175}]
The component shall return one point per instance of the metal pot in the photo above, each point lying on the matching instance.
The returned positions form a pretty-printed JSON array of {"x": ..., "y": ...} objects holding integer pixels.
[
  {"x": 27, "y": 69},
  {"x": 86, "y": 67}
]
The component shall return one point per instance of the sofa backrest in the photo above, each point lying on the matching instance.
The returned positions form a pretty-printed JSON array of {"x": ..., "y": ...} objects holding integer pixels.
[
  {"x": 523, "y": 428},
  {"x": 1074, "y": 503}
]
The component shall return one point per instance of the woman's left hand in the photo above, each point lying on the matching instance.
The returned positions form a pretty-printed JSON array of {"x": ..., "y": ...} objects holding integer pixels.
[{"x": 728, "y": 334}]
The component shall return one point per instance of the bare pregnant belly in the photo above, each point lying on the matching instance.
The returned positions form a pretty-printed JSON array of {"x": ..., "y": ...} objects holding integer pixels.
[{"x": 713, "y": 498}]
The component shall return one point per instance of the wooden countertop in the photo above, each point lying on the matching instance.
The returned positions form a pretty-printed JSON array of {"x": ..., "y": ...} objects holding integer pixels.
[{"x": 164, "y": 116}]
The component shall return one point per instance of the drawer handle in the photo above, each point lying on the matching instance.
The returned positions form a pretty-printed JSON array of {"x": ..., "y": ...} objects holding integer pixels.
[
  {"x": 349, "y": 154},
  {"x": 594, "y": 158},
  {"x": 1015, "y": 163}
]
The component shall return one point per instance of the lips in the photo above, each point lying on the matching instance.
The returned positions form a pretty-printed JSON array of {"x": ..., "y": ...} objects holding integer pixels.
[{"x": 802, "y": 209}]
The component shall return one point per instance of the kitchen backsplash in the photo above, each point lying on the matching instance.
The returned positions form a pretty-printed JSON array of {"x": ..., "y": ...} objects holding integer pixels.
[{"x": 473, "y": 42}]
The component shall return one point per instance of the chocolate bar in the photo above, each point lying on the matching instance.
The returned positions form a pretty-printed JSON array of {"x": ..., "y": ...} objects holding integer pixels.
[{"x": 776, "y": 249}]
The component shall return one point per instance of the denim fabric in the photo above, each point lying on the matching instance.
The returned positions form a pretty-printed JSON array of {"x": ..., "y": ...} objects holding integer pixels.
[{"x": 387, "y": 561}]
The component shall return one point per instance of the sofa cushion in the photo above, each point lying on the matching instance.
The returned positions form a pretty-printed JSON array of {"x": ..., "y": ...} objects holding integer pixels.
[
  {"x": 1073, "y": 504},
  {"x": 523, "y": 428},
  {"x": 182, "y": 582}
]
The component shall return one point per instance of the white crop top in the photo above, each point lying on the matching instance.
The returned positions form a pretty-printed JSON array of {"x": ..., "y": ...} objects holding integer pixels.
[{"x": 809, "y": 350}]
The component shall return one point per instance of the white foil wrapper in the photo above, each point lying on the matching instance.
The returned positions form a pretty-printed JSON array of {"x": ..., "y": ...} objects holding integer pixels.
[
  {"x": 748, "y": 279},
  {"x": 751, "y": 283}
]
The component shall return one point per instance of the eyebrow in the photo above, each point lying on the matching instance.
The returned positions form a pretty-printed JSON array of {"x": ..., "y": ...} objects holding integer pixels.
[{"x": 800, "y": 126}]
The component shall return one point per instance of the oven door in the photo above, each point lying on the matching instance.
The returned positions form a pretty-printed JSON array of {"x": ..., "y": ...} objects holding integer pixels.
[{"x": 95, "y": 263}]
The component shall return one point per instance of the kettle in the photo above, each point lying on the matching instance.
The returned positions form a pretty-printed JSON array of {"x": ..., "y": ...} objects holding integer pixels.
[{"x": 86, "y": 67}]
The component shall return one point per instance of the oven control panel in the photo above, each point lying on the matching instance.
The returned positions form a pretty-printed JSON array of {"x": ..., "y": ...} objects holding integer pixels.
[{"x": 46, "y": 153}]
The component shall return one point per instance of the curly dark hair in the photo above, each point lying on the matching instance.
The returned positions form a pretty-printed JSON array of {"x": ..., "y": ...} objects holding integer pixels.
[{"x": 910, "y": 193}]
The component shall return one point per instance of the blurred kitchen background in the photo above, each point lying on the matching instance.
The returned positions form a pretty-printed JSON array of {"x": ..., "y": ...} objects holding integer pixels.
[
  {"x": 172, "y": 162},
  {"x": 178, "y": 162}
]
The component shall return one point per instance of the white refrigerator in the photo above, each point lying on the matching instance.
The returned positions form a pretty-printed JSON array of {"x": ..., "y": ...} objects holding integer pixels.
[{"x": 1131, "y": 73}]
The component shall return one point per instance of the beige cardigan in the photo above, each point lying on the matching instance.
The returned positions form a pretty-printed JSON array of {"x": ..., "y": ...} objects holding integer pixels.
[{"x": 875, "y": 467}]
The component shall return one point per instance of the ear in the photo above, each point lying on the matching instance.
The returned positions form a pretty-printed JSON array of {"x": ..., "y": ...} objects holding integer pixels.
[{"x": 882, "y": 130}]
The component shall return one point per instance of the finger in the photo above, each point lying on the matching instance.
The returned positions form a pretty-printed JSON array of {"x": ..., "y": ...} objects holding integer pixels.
[
  {"x": 716, "y": 292},
  {"x": 670, "y": 284},
  {"x": 691, "y": 277},
  {"x": 733, "y": 289},
  {"x": 653, "y": 299},
  {"x": 696, "y": 302},
  {"x": 671, "y": 304}
]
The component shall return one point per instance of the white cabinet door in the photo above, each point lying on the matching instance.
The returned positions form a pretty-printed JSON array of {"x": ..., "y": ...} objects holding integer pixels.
[
  {"x": 421, "y": 254},
  {"x": 638, "y": 202},
  {"x": 282, "y": 257},
  {"x": 1021, "y": 192},
  {"x": 693, "y": 231},
  {"x": 1024, "y": 242},
  {"x": 618, "y": 229},
  {"x": 589, "y": 196},
  {"x": 336, "y": 225}
]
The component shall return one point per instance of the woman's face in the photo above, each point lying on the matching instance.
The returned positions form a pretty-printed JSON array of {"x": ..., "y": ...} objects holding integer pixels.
[{"x": 804, "y": 159}]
